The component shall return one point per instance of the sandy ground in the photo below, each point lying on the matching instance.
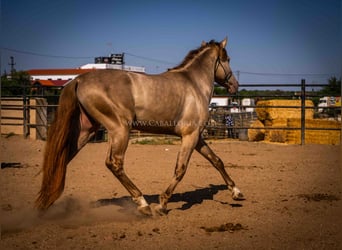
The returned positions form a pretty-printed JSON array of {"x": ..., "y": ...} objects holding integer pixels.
[{"x": 293, "y": 199}]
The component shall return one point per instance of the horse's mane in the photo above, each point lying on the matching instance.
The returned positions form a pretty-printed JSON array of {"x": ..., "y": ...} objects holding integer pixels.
[{"x": 193, "y": 53}]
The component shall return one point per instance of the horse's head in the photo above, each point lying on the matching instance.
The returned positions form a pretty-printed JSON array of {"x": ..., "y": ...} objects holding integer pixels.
[{"x": 223, "y": 73}]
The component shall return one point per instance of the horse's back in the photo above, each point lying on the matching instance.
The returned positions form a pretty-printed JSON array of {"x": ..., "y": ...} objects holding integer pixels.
[{"x": 106, "y": 94}]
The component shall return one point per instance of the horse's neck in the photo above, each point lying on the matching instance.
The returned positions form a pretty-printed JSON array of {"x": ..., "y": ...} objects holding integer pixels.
[{"x": 202, "y": 73}]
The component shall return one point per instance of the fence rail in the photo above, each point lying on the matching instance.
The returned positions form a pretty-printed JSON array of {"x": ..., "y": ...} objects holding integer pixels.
[{"x": 34, "y": 113}]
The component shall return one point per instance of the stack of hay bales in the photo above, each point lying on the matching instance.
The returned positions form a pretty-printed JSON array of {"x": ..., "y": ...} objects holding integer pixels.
[
  {"x": 268, "y": 110},
  {"x": 275, "y": 114},
  {"x": 314, "y": 136},
  {"x": 276, "y": 135},
  {"x": 256, "y": 131}
]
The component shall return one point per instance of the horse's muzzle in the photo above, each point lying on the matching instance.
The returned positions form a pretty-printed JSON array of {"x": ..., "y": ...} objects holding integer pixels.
[
  {"x": 233, "y": 89},
  {"x": 232, "y": 85}
]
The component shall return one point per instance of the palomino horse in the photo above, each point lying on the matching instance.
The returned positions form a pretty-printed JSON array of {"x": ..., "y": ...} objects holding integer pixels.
[{"x": 174, "y": 102}]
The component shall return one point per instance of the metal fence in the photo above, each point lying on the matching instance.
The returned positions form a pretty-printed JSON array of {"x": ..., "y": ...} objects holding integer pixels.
[{"x": 34, "y": 111}]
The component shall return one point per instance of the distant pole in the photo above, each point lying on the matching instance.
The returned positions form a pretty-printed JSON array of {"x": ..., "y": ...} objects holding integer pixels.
[
  {"x": 12, "y": 63},
  {"x": 238, "y": 75},
  {"x": 123, "y": 60},
  {"x": 302, "y": 126}
]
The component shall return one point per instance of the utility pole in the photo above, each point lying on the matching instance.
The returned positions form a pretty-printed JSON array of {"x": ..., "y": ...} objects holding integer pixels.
[
  {"x": 238, "y": 75},
  {"x": 12, "y": 63}
]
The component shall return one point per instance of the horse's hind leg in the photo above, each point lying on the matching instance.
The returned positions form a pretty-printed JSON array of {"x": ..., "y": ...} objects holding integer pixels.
[
  {"x": 118, "y": 141},
  {"x": 205, "y": 150},
  {"x": 88, "y": 129}
]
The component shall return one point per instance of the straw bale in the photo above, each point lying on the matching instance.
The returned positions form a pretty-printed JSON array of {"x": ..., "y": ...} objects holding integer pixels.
[
  {"x": 315, "y": 136},
  {"x": 272, "y": 112},
  {"x": 277, "y": 135},
  {"x": 256, "y": 131},
  {"x": 268, "y": 123}
]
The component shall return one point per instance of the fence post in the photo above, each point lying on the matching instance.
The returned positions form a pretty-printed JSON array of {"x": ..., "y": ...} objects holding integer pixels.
[
  {"x": 302, "y": 124},
  {"x": 40, "y": 121},
  {"x": 26, "y": 114}
]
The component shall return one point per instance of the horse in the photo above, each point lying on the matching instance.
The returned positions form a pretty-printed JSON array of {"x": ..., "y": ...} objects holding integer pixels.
[{"x": 174, "y": 102}]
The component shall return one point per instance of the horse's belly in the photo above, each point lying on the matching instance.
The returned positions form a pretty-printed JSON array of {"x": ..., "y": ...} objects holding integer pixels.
[{"x": 155, "y": 126}]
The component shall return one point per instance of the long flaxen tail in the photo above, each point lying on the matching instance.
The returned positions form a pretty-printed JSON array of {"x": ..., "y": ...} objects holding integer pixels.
[{"x": 60, "y": 148}]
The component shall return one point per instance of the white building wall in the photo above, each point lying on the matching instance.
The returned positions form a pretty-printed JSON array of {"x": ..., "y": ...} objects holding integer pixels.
[
  {"x": 112, "y": 66},
  {"x": 53, "y": 77},
  {"x": 89, "y": 66},
  {"x": 219, "y": 101}
]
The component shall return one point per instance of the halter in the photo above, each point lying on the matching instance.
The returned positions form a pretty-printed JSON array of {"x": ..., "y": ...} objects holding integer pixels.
[{"x": 227, "y": 75}]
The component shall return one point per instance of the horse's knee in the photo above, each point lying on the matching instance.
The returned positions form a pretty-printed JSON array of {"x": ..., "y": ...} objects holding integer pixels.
[{"x": 115, "y": 166}]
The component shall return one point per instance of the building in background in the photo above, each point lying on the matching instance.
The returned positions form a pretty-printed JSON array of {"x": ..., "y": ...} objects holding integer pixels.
[{"x": 61, "y": 77}]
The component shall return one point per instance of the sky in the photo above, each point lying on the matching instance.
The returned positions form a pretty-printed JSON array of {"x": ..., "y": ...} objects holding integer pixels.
[{"x": 274, "y": 41}]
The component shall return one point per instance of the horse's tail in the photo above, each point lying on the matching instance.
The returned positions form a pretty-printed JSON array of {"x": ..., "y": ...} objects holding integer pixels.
[{"x": 61, "y": 147}]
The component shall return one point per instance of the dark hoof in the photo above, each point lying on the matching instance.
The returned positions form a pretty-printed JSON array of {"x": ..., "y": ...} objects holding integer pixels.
[
  {"x": 145, "y": 210},
  {"x": 160, "y": 210}
]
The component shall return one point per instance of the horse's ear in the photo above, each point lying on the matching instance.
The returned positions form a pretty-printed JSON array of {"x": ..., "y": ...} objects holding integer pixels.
[
  {"x": 203, "y": 43},
  {"x": 224, "y": 43}
]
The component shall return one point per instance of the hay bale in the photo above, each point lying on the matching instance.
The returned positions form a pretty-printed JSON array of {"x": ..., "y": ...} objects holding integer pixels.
[
  {"x": 268, "y": 123},
  {"x": 257, "y": 134},
  {"x": 277, "y": 135},
  {"x": 268, "y": 109},
  {"x": 314, "y": 136}
]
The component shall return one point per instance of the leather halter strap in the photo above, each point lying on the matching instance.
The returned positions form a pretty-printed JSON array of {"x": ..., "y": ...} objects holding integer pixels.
[{"x": 227, "y": 75}]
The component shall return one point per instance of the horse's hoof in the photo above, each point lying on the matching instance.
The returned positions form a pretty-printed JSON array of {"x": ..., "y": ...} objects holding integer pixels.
[
  {"x": 145, "y": 210},
  {"x": 160, "y": 210},
  {"x": 237, "y": 195}
]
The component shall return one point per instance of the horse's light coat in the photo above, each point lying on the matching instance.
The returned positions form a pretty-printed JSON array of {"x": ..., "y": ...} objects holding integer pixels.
[{"x": 174, "y": 102}]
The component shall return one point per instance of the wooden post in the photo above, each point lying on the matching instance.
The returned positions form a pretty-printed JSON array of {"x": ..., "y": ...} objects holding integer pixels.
[{"x": 302, "y": 124}]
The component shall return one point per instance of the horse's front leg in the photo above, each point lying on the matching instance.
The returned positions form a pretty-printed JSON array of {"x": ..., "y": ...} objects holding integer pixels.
[
  {"x": 118, "y": 140},
  {"x": 206, "y": 151},
  {"x": 187, "y": 147}
]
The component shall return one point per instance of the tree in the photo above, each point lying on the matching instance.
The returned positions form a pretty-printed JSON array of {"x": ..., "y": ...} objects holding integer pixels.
[
  {"x": 15, "y": 84},
  {"x": 333, "y": 88},
  {"x": 218, "y": 90}
]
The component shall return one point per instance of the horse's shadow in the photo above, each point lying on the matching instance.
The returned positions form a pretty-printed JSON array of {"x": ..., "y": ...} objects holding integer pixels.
[{"x": 190, "y": 198}]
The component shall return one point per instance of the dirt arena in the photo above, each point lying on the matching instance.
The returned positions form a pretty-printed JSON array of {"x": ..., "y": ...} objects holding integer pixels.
[{"x": 293, "y": 199}]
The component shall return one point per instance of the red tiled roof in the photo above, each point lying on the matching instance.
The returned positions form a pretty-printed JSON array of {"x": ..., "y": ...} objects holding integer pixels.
[
  {"x": 60, "y": 82},
  {"x": 58, "y": 71},
  {"x": 51, "y": 83},
  {"x": 43, "y": 82}
]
